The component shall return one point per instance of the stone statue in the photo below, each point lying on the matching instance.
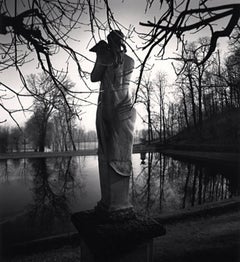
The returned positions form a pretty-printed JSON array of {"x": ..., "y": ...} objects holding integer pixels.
[{"x": 115, "y": 121}]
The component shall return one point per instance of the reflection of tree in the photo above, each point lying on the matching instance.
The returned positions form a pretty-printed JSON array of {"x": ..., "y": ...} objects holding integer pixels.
[
  {"x": 186, "y": 185},
  {"x": 200, "y": 186},
  {"x": 10, "y": 167},
  {"x": 194, "y": 186},
  {"x": 22, "y": 167},
  {"x": 165, "y": 183},
  {"x": 145, "y": 189},
  {"x": 148, "y": 184},
  {"x": 208, "y": 183},
  {"x": 51, "y": 187},
  {"x": 162, "y": 170},
  {"x": 4, "y": 170}
]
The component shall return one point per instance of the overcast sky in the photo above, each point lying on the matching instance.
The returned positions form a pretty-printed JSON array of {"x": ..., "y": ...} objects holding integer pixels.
[{"x": 129, "y": 13}]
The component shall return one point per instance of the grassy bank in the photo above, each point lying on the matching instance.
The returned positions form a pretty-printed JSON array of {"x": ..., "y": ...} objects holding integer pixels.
[{"x": 222, "y": 130}]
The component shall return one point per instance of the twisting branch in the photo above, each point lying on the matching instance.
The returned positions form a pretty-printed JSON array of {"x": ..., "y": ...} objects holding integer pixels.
[
  {"x": 44, "y": 27},
  {"x": 181, "y": 18}
]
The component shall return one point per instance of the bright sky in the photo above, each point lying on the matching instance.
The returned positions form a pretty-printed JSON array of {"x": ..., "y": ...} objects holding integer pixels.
[{"x": 129, "y": 13}]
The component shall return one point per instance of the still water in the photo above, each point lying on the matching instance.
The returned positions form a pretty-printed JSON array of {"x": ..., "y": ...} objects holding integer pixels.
[{"x": 37, "y": 196}]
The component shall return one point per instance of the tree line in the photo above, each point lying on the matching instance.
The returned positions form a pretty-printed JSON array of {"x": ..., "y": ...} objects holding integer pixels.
[
  {"x": 13, "y": 139},
  {"x": 52, "y": 123},
  {"x": 202, "y": 91}
]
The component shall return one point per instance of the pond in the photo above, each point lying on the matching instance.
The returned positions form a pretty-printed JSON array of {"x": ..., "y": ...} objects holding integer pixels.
[{"x": 37, "y": 196}]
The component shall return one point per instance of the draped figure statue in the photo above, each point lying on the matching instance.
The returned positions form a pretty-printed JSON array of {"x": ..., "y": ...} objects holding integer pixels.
[{"x": 115, "y": 120}]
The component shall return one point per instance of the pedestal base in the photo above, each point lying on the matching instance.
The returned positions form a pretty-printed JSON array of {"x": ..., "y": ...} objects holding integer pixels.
[
  {"x": 107, "y": 238},
  {"x": 107, "y": 214}
]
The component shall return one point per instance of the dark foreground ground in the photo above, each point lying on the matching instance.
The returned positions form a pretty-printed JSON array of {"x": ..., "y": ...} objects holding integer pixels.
[
  {"x": 197, "y": 236},
  {"x": 215, "y": 238}
]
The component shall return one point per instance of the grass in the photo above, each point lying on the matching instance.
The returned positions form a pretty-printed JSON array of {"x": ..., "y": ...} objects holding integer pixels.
[{"x": 222, "y": 129}]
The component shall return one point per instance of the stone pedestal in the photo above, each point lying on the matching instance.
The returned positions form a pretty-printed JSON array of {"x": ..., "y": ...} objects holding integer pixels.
[{"x": 115, "y": 237}]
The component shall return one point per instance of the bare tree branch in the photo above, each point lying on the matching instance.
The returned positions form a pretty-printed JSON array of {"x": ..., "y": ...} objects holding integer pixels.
[{"x": 180, "y": 18}]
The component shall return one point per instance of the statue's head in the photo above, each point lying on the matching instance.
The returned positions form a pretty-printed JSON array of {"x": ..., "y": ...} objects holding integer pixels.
[{"x": 116, "y": 40}]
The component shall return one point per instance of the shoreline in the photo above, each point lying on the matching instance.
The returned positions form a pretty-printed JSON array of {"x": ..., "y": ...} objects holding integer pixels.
[
  {"x": 19, "y": 155},
  {"x": 200, "y": 156}
]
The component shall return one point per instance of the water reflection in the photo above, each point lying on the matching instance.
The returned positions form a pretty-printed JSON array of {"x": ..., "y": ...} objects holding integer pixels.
[
  {"x": 165, "y": 184},
  {"x": 37, "y": 201},
  {"x": 45, "y": 191},
  {"x": 4, "y": 171},
  {"x": 52, "y": 182}
]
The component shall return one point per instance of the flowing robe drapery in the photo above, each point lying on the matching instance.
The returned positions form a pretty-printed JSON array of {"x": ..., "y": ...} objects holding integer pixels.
[
  {"x": 115, "y": 126},
  {"x": 115, "y": 114}
]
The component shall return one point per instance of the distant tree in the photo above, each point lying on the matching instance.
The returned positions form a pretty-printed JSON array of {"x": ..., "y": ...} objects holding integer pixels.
[
  {"x": 63, "y": 123},
  {"x": 16, "y": 139},
  {"x": 160, "y": 83},
  {"x": 183, "y": 101},
  {"x": 4, "y": 139},
  {"x": 215, "y": 94},
  {"x": 81, "y": 137},
  {"x": 233, "y": 77},
  {"x": 91, "y": 136},
  {"x": 187, "y": 82},
  {"x": 145, "y": 98},
  {"x": 192, "y": 76},
  {"x": 48, "y": 101},
  {"x": 173, "y": 122},
  {"x": 37, "y": 129}
]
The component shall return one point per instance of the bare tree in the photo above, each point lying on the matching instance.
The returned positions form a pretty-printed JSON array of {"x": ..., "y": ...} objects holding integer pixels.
[
  {"x": 159, "y": 95},
  {"x": 233, "y": 78},
  {"x": 145, "y": 98},
  {"x": 48, "y": 101},
  {"x": 192, "y": 76},
  {"x": 42, "y": 29},
  {"x": 4, "y": 139},
  {"x": 180, "y": 17},
  {"x": 39, "y": 30},
  {"x": 63, "y": 121}
]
